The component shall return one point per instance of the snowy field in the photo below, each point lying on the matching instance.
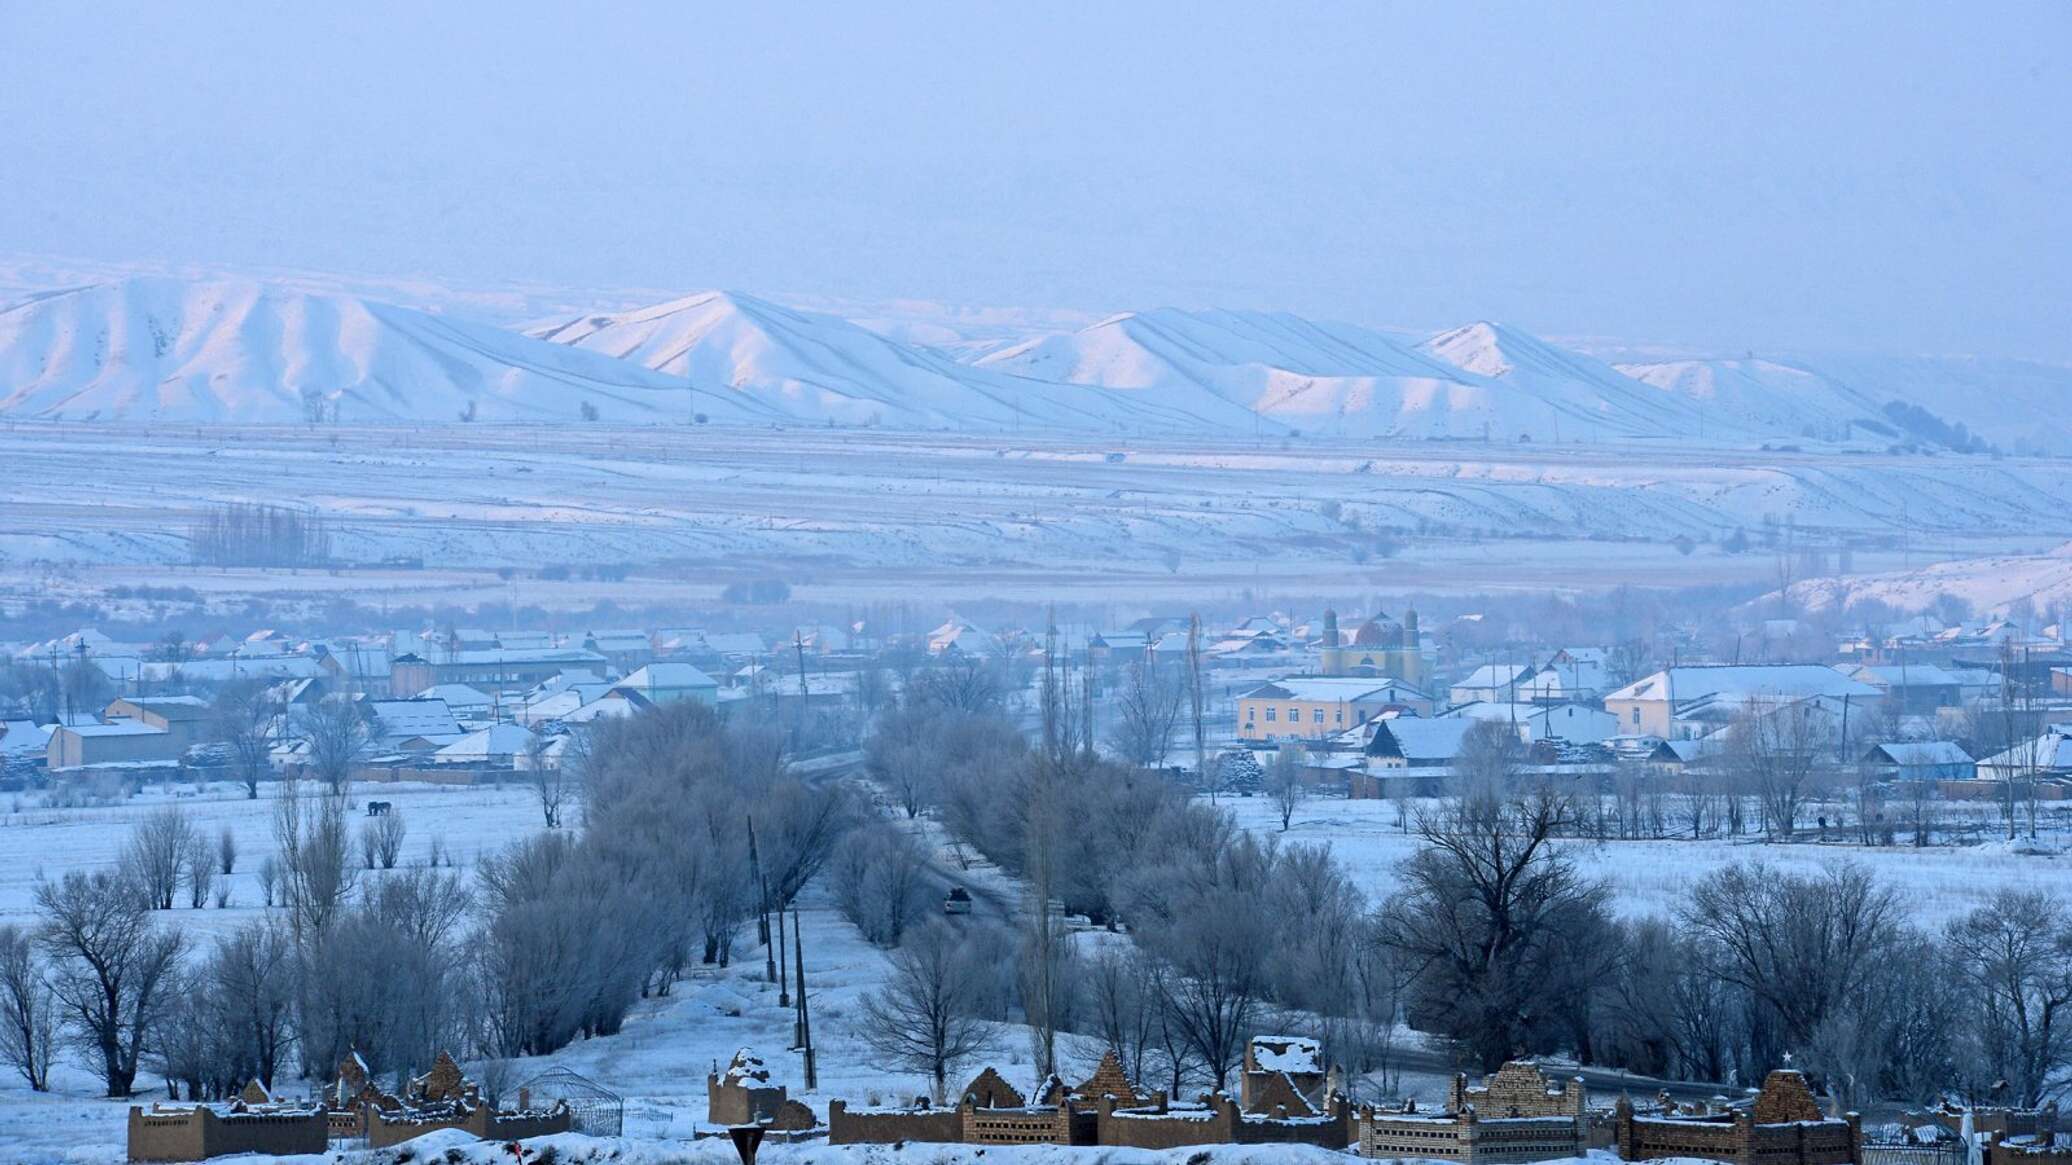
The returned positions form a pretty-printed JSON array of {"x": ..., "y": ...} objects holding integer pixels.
[
  {"x": 1652, "y": 877},
  {"x": 658, "y": 1062},
  {"x": 856, "y": 515}
]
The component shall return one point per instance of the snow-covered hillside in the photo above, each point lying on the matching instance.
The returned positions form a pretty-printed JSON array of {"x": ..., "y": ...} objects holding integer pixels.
[
  {"x": 818, "y": 368},
  {"x": 1989, "y": 584},
  {"x": 163, "y": 349},
  {"x": 248, "y": 351},
  {"x": 2015, "y": 405},
  {"x": 1481, "y": 381},
  {"x": 1593, "y": 399}
]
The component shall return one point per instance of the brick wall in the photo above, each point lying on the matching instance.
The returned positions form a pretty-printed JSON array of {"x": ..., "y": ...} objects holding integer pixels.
[
  {"x": 195, "y": 1133},
  {"x": 877, "y": 1127}
]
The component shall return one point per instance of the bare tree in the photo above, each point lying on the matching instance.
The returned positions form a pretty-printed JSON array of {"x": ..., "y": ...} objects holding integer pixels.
[
  {"x": 1123, "y": 1007},
  {"x": 226, "y": 852},
  {"x": 253, "y": 976},
  {"x": 111, "y": 967},
  {"x": 1195, "y": 699},
  {"x": 1147, "y": 708},
  {"x": 244, "y": 720},
  {"x": 159, "y": 847},
  {"x": 28, "y": 1011},
  {"x": 85, "y": 686},
  {"x": 1800, "y": 946},
  {"x": 1213, "y": 973},
  {"x": 201, "y": 871},
  {"x": 550, "y": 777},
  {"x": 879, "y": 879},
  {"x": 388, "y": 839},
  {"x": 315, "y": 848},
  {"x": 269, "y": 878},
  {"x": 1781, "y": 752},
  {"x": 337, "y": 733},
  {"x": 1285, "y": 782},
  {"x": 1493, "y": 921},
  {"x": 923, "y": 1018},
  {"x": 2015, "y": 953}
]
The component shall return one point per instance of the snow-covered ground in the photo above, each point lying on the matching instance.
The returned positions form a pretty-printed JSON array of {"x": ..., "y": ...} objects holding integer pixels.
[
  {"x": 657, "y": 1062},
  {"x": 983, "y": 515},
  {"x": 1652, "y": 877},
  {"x": 1987, "y": 583}
]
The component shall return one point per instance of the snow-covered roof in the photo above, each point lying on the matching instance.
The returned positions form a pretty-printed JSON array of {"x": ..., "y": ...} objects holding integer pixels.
[
  {"x": 272, "y": 667},
  {"x": 1742, "y": 682},
  {"x": 495, "y": 741},
  {"x": 1333, "y": 689},
  {"x": 114, "y": 728},
  {"x": 401, "y": 718},
  {"x": 1921, "y": 753},
  {"x": 1495, "y": 675},
  {"x": 23, "y": 736},
  {"x": 667, "y": 677},
  {"x": 1418, "y": 739},
  {"x": 456, "y": 695},
  {"x": 1914, "y": 675},
  {"x": 2048, "y": 753}
]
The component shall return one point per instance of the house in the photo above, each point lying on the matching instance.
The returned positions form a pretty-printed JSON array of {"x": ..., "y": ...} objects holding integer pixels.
[
  {"x": 1574, "y": 723},
  {"x": 1913, "y": 688},
  {"x": 664, "y": 683},
  {"x": 23, "y": 743},
  {"x": 496, "y": 745},
  {"x": 1921, "y": 760},
  {"x": 492, "y": 668},
  {"x": 959, "y": 636},
  {"x": 411, "y": 725},
  {"x": 1663, "y": 704},
  {"x": 123, "y": 742},
  {"x": 1118, "y": 647},
  {"x": 1408, "y": 742},
  {"x": 184, "y": 718},
  {"x": 236, "y": 668},
  {"x": 1494, "y": 683},
  {"x": 1314, "y": 707},
  {"x": 614, "y": 704},
  {"x": 624, "y": 648},
  {"x": 1573, "y": 673},
  {"x": 2048, "y": 754},
  {"x": 461, "y": 699},
  {"x": 355, "y": 666}
]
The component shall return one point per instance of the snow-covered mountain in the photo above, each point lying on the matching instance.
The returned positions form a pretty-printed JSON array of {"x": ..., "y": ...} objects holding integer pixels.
[
  {"x": 2015, "y": 405},
  {"x": 151, "y": 348},
  {"x": 1480, "y": 381},
  {"x": 824, "y": 369},
  {"x": 1582, "y": 398},
  {"x": 233, "y": 350}
]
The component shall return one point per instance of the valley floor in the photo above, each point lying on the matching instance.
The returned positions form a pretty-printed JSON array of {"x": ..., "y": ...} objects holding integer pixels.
[{"x": 857, "y": 515}]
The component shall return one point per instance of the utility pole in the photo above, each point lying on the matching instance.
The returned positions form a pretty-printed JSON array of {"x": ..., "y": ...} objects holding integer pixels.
[
  {"x": 762, "y": 911},
  {"x": 798, "y": 947}
]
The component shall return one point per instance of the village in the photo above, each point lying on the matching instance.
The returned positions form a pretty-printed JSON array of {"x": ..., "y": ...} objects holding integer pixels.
[
  {"x": 1373, "y": 707},
  {"x": 1923, "y": 735}
]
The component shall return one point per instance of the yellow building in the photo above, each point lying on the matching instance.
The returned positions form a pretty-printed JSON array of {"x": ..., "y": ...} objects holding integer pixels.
[
  {"x": 1381, "y": 647},
  {"x": 1313, "y": 707}
]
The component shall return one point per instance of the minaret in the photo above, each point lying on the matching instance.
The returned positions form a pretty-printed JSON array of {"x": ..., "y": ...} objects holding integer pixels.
[
  {"x": 1333, "y": 661},
  {"x": 1413, "y": 651}
]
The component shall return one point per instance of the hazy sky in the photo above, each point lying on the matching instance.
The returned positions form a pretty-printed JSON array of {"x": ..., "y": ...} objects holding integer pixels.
[{"x": 1883, "y": 176}]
